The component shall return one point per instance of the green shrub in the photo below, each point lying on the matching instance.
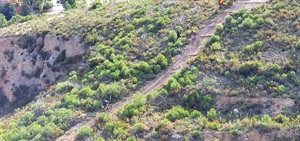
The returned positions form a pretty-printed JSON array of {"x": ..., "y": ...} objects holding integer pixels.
[
  {"x": 196, "y": 134},
  {"x": 177, "y": 113},
  {"x": 71, "y": 100},
  {"x": 216, "y": 46},
  {"x": 130, "y": 27},
  {"x": 144, "y": 67},
  {"x": 270, "y": 69},
  {"x": 151, "y": 28},
  {"x": 296, "y": 81},
  {"x": 27, "y": 118},
  {"x": 73, "y": 76},
  {"x": 162, "y": 21},
  {"x": 258, "y": 44},
  {"x": 185, "y": 98},
  {"x": 137, "y": 107},
  {"x": 178, "y": 43},
  {"x": 84, "y": 132},
  {"x": 139, "y": 127},
  {"x": 267, "y": 124},
  {"x": 90, "y": 104},
  {"x": 63, "y": 87},
  {"x": 173, "y": 85},
  {"x": 219, "y": 27},
  {"x": 131, "y": 139},
  {"x": 280, "y": 89},
  {"x": 170, "y": 44},
  {"x": 227, "y": 74},
  {"x": 234, "y": 131},
  {"x": 215, "y": 38},
  {"x": 247, "y": 22},
  {"x": 161, "y": 60},
  {"x": 60, "y": 116},
  {"x": 156, "y": 69},
  {"x": 278, "y": 5},
  {"x": 135, "y": 80},
  {"x": 172, "y": 36},
  {"x": 249, "y": 67},
  {"x": 215, "y": 125},
  {"x": 260, "y": 20},
  {"x": 116, "y": 128},
  {"x": 282, "y": 119},
  {"x": 115, "y": 90},
  {"x": 212, "y": 114},
  {"x": 196, "y": 114},
  {"x": 86, "y": 92},
  {"x": 254, "y": 47},
  {"x": 208, "y": 101},
  {"x": 3, "y": 21},
  {"x": 163, "y": 123},
  {"x": 269, "y": 21},
  {"x": 254, "y": 25}
]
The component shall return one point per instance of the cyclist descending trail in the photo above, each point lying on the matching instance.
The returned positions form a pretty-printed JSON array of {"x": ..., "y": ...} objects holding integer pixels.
[
  {"x": 106, "y": 106},
  {"x": 179, "y": 60},
  {"x": 221, "y": 4}
]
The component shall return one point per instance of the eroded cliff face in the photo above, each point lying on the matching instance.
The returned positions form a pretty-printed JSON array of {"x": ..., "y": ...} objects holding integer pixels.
[{"x": 30, "y": 63}]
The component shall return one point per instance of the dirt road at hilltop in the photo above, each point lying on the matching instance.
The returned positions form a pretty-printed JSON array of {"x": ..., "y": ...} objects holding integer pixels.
[{"x": 180, "y": 61}]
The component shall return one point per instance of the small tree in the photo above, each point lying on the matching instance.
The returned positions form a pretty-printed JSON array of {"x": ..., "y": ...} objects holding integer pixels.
[
  {"x": 177, "y": 113},
  {"x": 161, "y": 60},
  {"x": 212, "y": 114},
  {"x": 173, "y": 36}
]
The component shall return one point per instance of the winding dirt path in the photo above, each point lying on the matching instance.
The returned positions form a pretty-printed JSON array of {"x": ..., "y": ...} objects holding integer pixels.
[{"x": 180, "y": 61}]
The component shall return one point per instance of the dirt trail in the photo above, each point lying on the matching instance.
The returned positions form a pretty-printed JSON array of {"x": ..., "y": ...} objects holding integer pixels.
[{"x": 180, "y": 61}]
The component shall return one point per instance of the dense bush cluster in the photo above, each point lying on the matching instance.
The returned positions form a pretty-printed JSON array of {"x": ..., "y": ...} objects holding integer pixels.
[{"x": 39, "y": 124}]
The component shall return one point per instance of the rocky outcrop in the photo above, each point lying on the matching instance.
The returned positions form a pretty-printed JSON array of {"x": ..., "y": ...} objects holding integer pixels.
[{"x": 29, "y": 63}]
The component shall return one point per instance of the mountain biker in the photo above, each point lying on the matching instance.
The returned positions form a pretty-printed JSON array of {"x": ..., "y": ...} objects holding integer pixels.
[
  {"x": 178, "y": 34},
  {"x": 221, "y": 2},
  {"x": 105, "y": 103},
  {"x": 193, "y": 34}
]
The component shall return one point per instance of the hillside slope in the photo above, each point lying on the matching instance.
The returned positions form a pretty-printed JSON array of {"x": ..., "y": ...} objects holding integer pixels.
[
  {"x": 127, "y": 46},
  {"x": 243, "y": 86}
]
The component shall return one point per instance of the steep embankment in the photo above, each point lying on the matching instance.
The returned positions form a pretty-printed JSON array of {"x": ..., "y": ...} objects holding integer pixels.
[{"x": 29, "y": 63}]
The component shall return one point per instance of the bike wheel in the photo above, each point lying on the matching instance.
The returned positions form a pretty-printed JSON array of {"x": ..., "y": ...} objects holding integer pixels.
[{"x": 109, "y": 108}]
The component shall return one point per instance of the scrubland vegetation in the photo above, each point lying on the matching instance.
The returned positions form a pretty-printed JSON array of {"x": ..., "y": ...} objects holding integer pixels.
[
  {"x": 249, "y": 56},
  {"x": 128, "y": 45},
  {"x": 252, "y": 54}
]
